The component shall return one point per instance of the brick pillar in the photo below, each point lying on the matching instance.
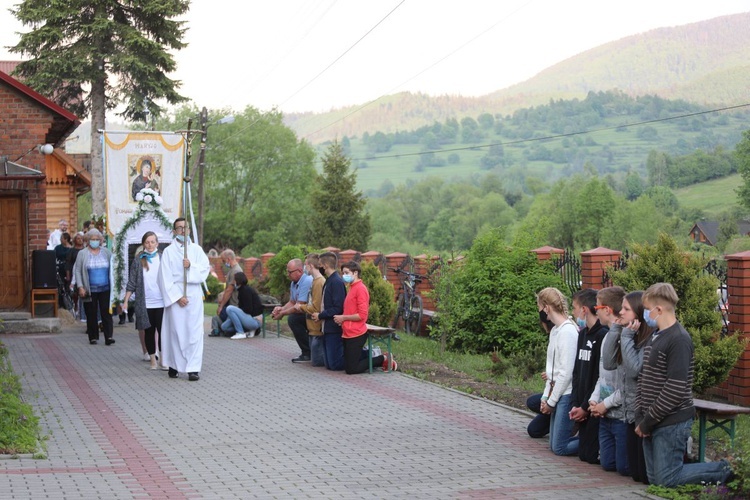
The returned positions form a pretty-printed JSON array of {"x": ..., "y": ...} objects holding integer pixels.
[
  {"x": 252, "y": 268},
  {"x": 394, "y": 260},
  {"x": 349, "y": 255},
  {"x": 218, "y": 268},
  {"x": 264, "y": 262},
  {"x": 331, "y": 249},
  {"x": 738, "y": 288},
  {"x": 371, "y": 256},
  {"x": 593, "y": 264},
  {"x": 547, "y": 252}
]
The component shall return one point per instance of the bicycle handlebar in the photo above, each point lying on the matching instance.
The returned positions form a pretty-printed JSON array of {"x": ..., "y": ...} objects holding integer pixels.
[{"x": 413, "y": 275}]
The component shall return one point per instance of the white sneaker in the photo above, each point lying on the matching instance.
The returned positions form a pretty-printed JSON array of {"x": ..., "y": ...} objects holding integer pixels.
[
  {"x": 146, "y": 357},
  {"x": 238, "y": 336},
  {"x": 251, "y": 333}
]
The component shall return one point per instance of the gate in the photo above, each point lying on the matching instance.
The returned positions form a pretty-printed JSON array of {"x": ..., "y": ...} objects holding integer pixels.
[
  {"x": 718, "y": 269},
  {"x": 569, "y": 268}
]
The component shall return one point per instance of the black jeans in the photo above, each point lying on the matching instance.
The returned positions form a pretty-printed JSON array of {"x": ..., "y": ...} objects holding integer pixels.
[
  {"x": 99, "y": 302},
  {"x": 356, "y": 359},
  {"x": 155, "y": 317},
  {"x": 539, "y": 426},
  {"x": 298, "y": 326}
]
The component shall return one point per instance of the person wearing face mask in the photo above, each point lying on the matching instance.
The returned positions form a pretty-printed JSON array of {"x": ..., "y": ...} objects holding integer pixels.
[
  {"x": 229, "y": 296},
  {"x": 314, "y": 328},
  {"x": 181, "y": 283},
  {"x": 561, "y": 356},
  {"x": 354, "y": 324},
  {"x": 664, "y": 399},
  {"x": 149, "y": 304},
  {"x": 586, "y": 373},
  {"x": 93, "y": 277}
]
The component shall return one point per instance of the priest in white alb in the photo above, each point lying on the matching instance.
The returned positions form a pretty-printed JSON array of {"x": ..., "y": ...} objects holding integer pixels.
[{"x": 182, "y": 326}]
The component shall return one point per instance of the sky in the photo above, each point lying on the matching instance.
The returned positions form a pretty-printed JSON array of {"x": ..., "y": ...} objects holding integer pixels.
[{"x": 317, "y": 55}]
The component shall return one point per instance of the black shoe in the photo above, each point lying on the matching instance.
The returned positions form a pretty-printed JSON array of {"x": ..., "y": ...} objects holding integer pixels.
[
  {"x": 109, "y": 341},
  {"x": 193, "y": 376},
  {"x": 92, "y": 342},
  {"x": 301, "y": 359},
  {"x": 396, "y": 337},
  {"x": 172, "y": 373},
  {"x": 122, "y": 321},
  {"x": 215, "y": 333}
]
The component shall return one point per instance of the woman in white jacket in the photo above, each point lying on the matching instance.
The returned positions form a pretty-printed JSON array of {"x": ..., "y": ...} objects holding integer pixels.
[{"x": 561, "y": 356}]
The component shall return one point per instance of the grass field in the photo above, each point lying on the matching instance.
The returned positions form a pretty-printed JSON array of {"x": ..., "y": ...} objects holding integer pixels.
[{"x": 713, "y": 197}]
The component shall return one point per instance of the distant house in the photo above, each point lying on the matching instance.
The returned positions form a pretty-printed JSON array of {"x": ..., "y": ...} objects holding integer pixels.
[
  {"x": 707, "y": 231},
  {"x": 36, "y": 190}
]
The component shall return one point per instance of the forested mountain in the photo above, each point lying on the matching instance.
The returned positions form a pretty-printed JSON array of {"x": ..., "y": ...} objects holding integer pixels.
[{"x": 705, "y": 63}]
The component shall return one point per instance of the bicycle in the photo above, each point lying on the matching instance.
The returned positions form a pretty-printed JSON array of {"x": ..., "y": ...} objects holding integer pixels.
[
  {"x": 63, "y": 293},
  {"x": 409, "y": 302}
]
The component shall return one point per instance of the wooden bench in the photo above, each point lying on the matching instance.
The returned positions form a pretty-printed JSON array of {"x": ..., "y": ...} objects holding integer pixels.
[
  {"x": 712, "y": 415},
  {"x": 432, "y": 315},
  {"x": 379, "y": 335}
]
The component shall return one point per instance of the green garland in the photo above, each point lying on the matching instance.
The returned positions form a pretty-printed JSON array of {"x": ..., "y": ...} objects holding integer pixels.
[{"x": 120, "y": 240}]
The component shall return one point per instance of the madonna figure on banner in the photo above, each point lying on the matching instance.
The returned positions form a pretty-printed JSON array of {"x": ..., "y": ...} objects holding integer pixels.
[{"x": 145, "y": 179}]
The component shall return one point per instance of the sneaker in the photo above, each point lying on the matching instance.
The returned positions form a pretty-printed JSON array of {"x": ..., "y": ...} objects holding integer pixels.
[
  {"x": 163, "y": 368},
  {"x": 251, "y": 333},
  {"x": 214, "y": 333},
  {"x": 388, "y": 357},
  {"x": 238, "y": 336},
  {"x": 301, "y": 359},
  {"x": 146, "y": 357},
  {"x": 109, "y": 341},
  {"x": 172, "y": 373}
]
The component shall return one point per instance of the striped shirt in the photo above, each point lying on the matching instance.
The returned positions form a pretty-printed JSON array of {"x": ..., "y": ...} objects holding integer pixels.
[{"x": 665, "y": 394}]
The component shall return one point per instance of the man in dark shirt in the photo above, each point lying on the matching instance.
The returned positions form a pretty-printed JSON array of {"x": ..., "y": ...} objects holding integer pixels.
[
  {"x": 586, "y": 373},
  {"x": 664, "y": 400},
  {"x": 334, "y": 293}
]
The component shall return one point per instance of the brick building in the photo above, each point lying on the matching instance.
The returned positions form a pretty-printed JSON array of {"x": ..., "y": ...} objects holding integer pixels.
[{"x": 36, "y": 190}]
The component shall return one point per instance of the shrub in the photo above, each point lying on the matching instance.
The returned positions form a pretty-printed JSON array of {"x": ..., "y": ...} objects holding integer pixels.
[
  {"x": 19, "y": 427},
  {"x": 382, "y": 305},
  {"x": 664, "y": 262},
  {"x": 214, "y": 288},
  {"x": 487, "y": 301},
  {"x": 278, "y": 282}
]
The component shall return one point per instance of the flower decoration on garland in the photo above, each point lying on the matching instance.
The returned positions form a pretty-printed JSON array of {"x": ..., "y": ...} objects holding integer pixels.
[
  {"x": 99, "y": 220},
  {"x": 149, "y": 201}
]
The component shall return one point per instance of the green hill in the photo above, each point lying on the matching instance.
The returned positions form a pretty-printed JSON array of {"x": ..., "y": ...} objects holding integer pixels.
[
  {"x": 705, "y": 63},
  {"x": 712, "y": 197}
]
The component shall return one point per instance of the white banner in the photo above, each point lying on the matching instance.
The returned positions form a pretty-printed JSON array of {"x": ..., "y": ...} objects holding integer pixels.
[{"x": 137, "y": 160}]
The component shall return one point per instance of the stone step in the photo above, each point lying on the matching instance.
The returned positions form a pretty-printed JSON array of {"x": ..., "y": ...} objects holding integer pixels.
[
  {"x": 36, "y": 325},
  {"x": 14, "y": 315}
]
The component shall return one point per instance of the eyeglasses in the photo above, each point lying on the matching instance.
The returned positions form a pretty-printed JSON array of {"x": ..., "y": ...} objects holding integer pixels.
[
  {"x": 179, "y": 229},
  {"x": 293, "y": 270},
  {"x": 599, "y": 308}
]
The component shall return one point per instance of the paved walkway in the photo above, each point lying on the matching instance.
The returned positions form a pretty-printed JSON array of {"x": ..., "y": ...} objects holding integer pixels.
[{"x": 258, "y": 426}]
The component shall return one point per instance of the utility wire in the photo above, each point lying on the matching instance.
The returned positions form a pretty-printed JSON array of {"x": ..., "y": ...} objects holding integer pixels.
[
  {"x": 556, "y": 136},
  {"x": 450, "y": 54}
]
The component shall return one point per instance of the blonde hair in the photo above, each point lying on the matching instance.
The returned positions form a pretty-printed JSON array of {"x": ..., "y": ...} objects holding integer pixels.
[
  {"x": 662, "y": 294},
  {"x": 554, "y": 298}
]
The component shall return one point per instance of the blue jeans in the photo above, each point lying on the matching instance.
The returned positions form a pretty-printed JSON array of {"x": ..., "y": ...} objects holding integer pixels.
[
  {"x": 334, "y": 351},
  {"x": 317, "y": 351},
  {"x": 613, "y": 450},
  {"x": 561, "y": 440},
  {"x": 664, "y": 451},
  {"x": 239, "y": 321}
]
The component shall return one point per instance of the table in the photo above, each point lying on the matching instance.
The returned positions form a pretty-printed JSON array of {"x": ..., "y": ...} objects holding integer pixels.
[
  {"x": 379, "y": 335},
  {"x": 43, "y": 296}
]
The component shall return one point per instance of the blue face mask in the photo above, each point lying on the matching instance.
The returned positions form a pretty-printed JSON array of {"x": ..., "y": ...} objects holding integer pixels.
[
  {"x": 348, "y": 278},
  {"x": 94, "y": 243},
  {"x": 180, "y": 238},
  {"x": 581, "y": 322},
  {"x": 648, "y": 319}
]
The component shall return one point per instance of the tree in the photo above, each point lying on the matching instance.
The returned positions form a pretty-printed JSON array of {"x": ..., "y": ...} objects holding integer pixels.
[
  {"x": 119, "y": 49},
  {"x": 742, "y": 154},
  {"x": 258, "y": 179},
  {"x": 338, "y": 209}
]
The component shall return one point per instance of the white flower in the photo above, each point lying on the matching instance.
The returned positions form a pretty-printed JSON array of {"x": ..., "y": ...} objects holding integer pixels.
[
  {"x": 139, "y": 196},
  {"x": 148, "y": 198},
  {"x": 159, "y": 199}
]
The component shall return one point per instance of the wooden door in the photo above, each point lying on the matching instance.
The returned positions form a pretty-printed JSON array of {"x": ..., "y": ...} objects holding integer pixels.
[{"x": 12, "y": 247}]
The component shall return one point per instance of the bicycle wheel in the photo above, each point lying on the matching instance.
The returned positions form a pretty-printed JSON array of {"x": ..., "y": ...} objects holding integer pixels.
[
  {"x": 414, "y": 322},
  {"x": 399, "y": 310},
  {"x": 67, "y": 302}
]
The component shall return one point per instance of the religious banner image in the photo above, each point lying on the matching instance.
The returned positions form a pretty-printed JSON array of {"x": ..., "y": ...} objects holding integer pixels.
[{"x": 137, "y": 161}]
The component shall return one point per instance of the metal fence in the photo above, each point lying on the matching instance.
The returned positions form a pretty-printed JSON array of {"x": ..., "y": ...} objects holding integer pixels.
[
  {"x": 569, "y": 267},
  {"x": 718, "y": 269},
  {"x": 617, "y": 265}
]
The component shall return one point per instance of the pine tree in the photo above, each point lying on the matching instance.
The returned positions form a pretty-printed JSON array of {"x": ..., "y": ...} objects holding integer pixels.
[
  {"x": 339, "y": 218},
  {"x": 119, "y": 49}
]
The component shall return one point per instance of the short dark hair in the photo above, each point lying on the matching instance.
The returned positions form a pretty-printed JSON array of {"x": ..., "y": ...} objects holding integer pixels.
[
  {"x": 586, "y": 298},
  {"x": 240, "y": 279},
  {"x": 352, "y": 266},
  {"x": 178, "y": 219},
  {"x": 328, "y": 259}
]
